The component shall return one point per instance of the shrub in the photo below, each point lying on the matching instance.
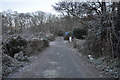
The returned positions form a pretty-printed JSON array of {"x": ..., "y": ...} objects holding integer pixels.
[
  {"x": 14, "y": 45},
  {"x": 36, "y": 45},
  {"x": 45, "y": 42},
  {"x": 9, "y": 65},
  {"x": 60, "y": 33},
  {"x": 51, "y": 37},
  {"x": 79, "y": 33}
]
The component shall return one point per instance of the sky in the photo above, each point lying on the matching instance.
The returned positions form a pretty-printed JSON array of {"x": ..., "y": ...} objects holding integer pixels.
[
  {"x": 25, "y": 6},
  {"x": 28, "y": 5}
]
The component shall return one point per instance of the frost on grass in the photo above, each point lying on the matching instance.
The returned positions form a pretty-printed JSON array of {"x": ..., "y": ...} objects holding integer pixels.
[
  {"x": 111, "y": 67},
  {"x": 50, "y": 74}
]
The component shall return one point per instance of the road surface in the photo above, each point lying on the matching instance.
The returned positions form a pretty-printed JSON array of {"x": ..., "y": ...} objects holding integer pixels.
[{"x": 60, "y": 60}]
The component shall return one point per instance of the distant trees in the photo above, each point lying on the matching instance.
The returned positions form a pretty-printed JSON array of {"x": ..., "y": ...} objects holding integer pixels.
[{"x": 15, "y": 22}]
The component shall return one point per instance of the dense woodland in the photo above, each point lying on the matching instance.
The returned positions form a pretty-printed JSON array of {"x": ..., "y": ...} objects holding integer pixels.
[{"x": 101, "y": 19}]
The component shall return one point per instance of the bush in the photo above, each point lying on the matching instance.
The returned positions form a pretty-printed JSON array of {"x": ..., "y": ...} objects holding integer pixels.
[
  {"x": 9, "y": 65},
  {"x": 14, "y": 45},
  {"x": 50, "y": 38},
  {"x": 20, "y": 56},
  {"x": 60, "y": 33},
  {"x": 79, "y": 33},
  {"x": 36, "y": 45},
  {"x": 45, "y": 42}
]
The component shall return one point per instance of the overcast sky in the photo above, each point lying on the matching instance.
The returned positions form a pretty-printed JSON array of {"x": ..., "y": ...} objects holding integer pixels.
[{"x": 28, "y": 5}]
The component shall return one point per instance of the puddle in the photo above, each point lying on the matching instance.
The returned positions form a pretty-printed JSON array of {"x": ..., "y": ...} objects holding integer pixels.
[
  {"x": 53, "y": 43},
  {"x": 54, "y": 63},
  {"x": 58, "y": 53}
]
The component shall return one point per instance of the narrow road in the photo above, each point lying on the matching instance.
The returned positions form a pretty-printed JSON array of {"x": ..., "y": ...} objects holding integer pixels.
[{"x": 58, "y": 61}]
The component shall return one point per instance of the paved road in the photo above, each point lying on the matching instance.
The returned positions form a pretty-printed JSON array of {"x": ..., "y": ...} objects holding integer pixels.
[{"x": 58, "y": 61}]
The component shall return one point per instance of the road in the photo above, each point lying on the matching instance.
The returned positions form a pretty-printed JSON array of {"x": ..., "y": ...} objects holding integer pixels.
[{"x": 60, "y": 60}]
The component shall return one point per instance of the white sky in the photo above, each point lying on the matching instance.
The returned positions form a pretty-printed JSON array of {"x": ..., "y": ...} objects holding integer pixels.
[
  {"x": 28, "y": 5},
  {"x": 31, "y": 5}
]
